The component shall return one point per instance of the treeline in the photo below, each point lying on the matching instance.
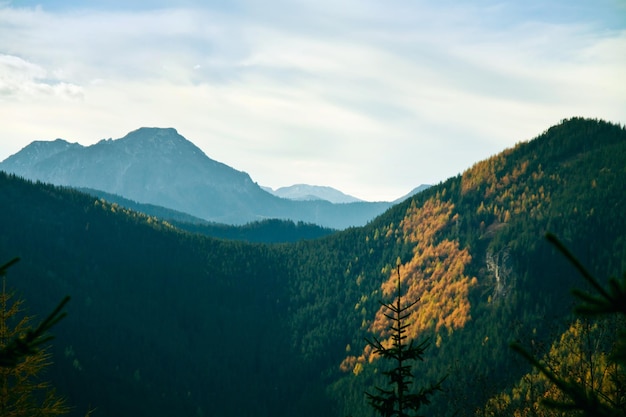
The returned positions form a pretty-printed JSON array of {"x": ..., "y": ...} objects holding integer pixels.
[
  {"x": 166, "y": 322},
  {"x": 262, "y": 231}
]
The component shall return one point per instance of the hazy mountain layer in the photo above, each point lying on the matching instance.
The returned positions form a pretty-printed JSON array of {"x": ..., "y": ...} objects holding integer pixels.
[
  {"x": 160, "y": 167},
  {"x": 314, "y": 192},
  {"x": 267, "y": 231}
]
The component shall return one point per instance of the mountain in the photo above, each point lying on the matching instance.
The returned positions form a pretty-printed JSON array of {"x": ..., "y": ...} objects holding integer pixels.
[
  {"x": 267, "y": 231},
  {"x": 314, "y": 192},
  {"x": 40, "y": 151},
  {"x": 163, "y": 322},
  {"x": 160, "y": 167},
  {"x": 411, "y": 193}
]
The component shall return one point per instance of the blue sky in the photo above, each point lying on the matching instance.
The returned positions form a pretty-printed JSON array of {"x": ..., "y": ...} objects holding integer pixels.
[{"x": 370, "y": 97}]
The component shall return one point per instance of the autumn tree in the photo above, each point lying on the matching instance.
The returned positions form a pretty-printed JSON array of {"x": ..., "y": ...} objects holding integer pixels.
[
  {"x": 585, "y": 394},
  {"x": 579, "y": 354},
  {"x": 399, "y": 399},
  {"x": 22, "y": 392}
]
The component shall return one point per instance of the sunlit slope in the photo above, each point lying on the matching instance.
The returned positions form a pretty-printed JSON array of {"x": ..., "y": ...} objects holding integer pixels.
[
  {"x": 165, "y": 323},
  {"x": 472, "y": 251}
]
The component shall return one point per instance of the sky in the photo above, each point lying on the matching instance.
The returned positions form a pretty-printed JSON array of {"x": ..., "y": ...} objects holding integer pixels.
[{"x": 370, "y": 97}]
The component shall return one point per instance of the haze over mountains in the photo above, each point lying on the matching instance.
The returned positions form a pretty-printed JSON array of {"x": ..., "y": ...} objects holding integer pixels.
[{"x": 159, "y": 166}]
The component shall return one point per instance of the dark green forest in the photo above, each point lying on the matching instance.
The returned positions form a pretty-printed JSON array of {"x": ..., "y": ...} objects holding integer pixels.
[
  {"x": 265, "y": 231},
  {"x": 165, "y": 321}
]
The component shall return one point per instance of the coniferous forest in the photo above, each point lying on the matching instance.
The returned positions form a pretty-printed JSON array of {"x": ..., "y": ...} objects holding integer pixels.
[{"x": 171, "y": 322}]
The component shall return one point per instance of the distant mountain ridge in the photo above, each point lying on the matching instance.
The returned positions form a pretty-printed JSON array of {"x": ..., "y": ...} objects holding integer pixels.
[
  {"x": 267, "y": 231},
  {"x": 308, "y": 192},
  {"x": 411, "y": 193},
  {"x": 159, "y": 166},
  {"x": 39, "y": 151}
]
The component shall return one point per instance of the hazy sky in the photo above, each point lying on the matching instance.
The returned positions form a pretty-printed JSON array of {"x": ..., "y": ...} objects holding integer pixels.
[{"x": 370, "y": 97}]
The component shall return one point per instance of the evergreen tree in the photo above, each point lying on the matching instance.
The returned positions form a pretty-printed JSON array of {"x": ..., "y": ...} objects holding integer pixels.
[
  {"x": 581, "y": 397},
  {"x": 399, "y": 399},
  {"x": 22, "y": 393},
  {"x": 28, "y": 343}
]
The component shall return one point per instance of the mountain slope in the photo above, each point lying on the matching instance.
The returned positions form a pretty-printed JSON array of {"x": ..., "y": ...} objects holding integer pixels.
[
  {"x": 166, "y": 323},
  {"x": 39, "y": 151},
  {"x": 472, "y": 252},
  {"x": 267, "y": 231},
  {"x": 149, "y": 165},
  {"x": 160, "y": 167},
  {"x": 411, "y": 193},
  {"x": 150, "y": 330}
]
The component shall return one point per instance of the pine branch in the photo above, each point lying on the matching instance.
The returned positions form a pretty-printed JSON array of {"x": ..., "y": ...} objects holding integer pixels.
[
  {"x": 582, "y": 399},
  {"x": 608, "y": 301},
  {"x": 3, "y": 268},
  {"x": 32, "y": 340},
  {"x": 583, "y": 271}
]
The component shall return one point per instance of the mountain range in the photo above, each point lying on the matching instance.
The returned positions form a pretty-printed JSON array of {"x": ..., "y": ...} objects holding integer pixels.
[
  {"x": 164, "y": 322},
  {"x": 160, "y": 167},
  {"x": 312, "y": 192}
]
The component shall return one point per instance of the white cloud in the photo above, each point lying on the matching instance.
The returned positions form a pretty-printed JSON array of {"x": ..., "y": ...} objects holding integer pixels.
[
  {"x": 20, "y": 80},
  {"x": 368, "y": 97}
]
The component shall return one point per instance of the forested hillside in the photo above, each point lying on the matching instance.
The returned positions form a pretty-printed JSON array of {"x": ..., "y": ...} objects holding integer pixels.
[
  {"x": 161, "y": 322},
  {"x": 472, "y": 250},
  {"x": 267, "y": 231},
  {"x": 164, "y": 322}
]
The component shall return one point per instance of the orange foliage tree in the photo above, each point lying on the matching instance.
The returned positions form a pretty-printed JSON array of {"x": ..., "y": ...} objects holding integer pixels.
[
  {"x": 22, "y": 393},
  {"x": 435, "y": 276}
]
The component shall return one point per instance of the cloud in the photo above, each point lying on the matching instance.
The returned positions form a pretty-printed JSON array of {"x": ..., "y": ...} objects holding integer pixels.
[
  {"x": 373, "y": 98},
  {"x": 20, "y": 79}
]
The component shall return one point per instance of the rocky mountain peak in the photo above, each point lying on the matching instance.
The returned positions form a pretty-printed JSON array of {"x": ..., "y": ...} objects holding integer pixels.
[{"x": 164, "y": 141}]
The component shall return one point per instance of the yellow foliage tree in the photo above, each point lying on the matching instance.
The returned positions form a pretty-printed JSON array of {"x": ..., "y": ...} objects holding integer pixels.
[
  {"x": 22, "y": 392},
  {"x": 576, "y": 356},
  {"x": 584, "y": 373},
  {"x": 435, "y": 276}
]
